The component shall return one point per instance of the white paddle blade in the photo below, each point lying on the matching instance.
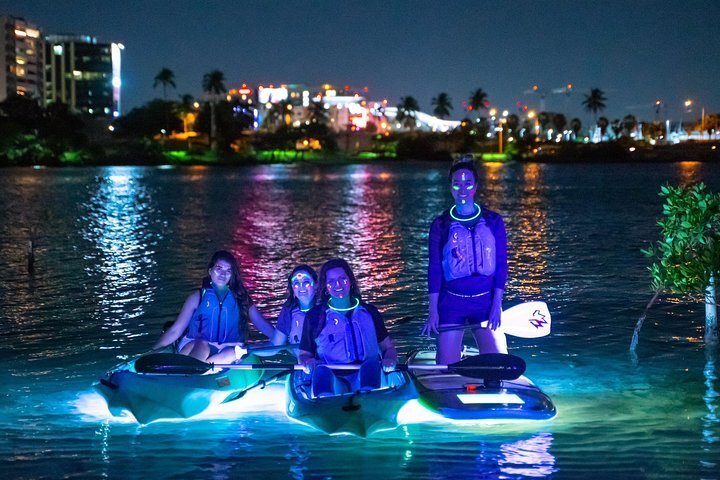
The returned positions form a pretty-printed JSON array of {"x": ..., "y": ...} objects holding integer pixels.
[{"x": 526, "y": 320}]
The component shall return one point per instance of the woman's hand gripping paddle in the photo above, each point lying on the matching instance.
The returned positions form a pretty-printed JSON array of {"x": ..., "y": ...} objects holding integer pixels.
[{"x": 525, "y": 320}]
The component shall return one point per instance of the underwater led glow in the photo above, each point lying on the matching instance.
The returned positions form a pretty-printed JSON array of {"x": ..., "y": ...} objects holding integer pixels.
[
  {"x": 92, "y": 407},
  {"x": 485, "y": 398},
  {"x": 414, "y": 412}
]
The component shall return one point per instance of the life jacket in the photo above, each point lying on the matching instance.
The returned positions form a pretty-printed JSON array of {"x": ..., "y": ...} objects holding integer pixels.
[
  {"x": 468, "y": 251},
  {"x": 347, "y": 340},
  {"x": 217, "y": 320},
  {"x": 297, "y": 317}
]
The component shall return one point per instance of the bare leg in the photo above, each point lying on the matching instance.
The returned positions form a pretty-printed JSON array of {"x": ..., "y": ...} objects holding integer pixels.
[
  {"x": 226, "y": 355},
  {"x": 199, "y": 349},
  {"x": 489, "y": 341},
  {"x": 449, "y": 346}
]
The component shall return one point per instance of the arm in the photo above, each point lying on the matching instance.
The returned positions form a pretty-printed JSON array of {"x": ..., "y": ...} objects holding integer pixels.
[
  {"x": 181, "y": 322},
  {"x": 306, "y": 351},
  {"x": 501, "y": 271},
  {"x": 307, "y": 360},
  {"x": 278, "y": 338},
  {"x": 389, "y": 354},
  {"x": 282, "y": 327},
  {"x": 260, "y": 323},
  {"x": 434, "y": 278}
]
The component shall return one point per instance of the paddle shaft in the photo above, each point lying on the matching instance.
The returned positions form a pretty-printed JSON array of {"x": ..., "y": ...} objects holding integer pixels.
[
  {"x": 452, "y": 328},
  {"x": 349, "y": 366}
]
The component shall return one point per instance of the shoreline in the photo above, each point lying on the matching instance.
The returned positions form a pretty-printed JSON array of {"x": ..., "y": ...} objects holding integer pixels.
[{"x": 615, "y": 152}]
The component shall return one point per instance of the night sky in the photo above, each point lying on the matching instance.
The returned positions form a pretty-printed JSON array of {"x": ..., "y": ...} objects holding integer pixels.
[{"x": 635, "y": 51}]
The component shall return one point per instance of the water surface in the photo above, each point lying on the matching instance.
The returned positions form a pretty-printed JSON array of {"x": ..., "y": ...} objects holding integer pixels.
[{"x": 119, "y": 248}]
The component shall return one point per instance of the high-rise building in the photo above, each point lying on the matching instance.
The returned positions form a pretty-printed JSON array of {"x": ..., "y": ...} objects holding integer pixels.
[
  {"x": 21, "y": 58},
  {"x": 83, "y": 74}
]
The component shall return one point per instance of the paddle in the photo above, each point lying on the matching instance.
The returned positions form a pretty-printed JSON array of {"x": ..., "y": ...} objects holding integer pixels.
[
  {"x": 525, "y": 320},
  {"x": 492, "y": 366},
  {"x": 242, "y": 351}
]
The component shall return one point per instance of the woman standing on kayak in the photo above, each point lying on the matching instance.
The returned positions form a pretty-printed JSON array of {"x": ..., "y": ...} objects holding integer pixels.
[
  {"x": 467, "y": 270},
  {"x": 301, "y": 286},
  {"x": 342, "y": 329},
  {"x": 216, "y": 315}
]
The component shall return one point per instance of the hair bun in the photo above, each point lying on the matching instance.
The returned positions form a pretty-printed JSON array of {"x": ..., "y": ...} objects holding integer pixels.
[{"x": 466, "y": 158}]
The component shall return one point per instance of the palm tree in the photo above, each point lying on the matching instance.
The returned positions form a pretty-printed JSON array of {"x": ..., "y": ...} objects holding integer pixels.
[
  {"x": 602, "y": 123},
  {"x": 544, "y": 120},
  {"x": 512, "y": 123},
  {"x": 575, "y": 126},
  {"x": 406, "y": 111},
  {"x": 559, "y": 122},
  {"x": 184, "y": 108},
  {"x": 478, "y": 100},
  {"x": 595, "y": 102},
  {"x": 166, "y": 78},
  {"x": 629, "y": 124},
  {"x": 213, "y": 84},
  {"x": 443, "y": 105},
  {"x": 316, "y": 113}
]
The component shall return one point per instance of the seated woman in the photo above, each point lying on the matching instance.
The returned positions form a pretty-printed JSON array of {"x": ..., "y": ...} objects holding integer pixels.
[
  {"x": 301, "y": 287},
  {"x": 342, "y": 329},
  {"x": 216, "y": 315}
]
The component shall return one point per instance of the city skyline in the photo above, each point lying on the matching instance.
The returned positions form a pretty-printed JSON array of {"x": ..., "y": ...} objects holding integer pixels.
[{"x": 636, "y": 53}]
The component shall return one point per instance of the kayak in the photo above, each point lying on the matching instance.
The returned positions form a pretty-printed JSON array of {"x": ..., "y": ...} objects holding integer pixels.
[
  {"x": 458, "y": 397},
  {"x": 359, "y": 413},
  {"x": 156, "y": 396}
]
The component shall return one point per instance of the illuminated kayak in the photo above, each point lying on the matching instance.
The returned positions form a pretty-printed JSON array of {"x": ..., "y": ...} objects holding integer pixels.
[
  {"x": 457, "y": 397},
  {"x": 361, "y": 413},
  {"x": 155, "y": 395}
]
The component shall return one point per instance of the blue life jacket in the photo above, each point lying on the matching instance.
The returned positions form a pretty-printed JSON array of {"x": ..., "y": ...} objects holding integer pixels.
[
  {"x": 347, "y": 340},
  {"x": 468, "y": 251},
  {"x": 296, "y": 326},
  {"x": 217, "y": 320}
]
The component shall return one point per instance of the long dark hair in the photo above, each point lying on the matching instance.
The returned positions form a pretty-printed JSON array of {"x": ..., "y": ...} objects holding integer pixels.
[
  {"x": 242, "y": 297},
  {"x": 322, "y": 296},
  {"x": 292, "y": 302}
]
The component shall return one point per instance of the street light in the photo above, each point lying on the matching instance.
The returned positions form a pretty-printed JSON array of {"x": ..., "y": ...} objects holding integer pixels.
[
  {"x": 500, "y": 134},
  {"x": 688, "y": 104}
]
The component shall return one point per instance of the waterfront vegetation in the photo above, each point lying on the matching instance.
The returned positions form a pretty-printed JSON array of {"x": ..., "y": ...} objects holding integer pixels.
[{"x": 218, "y": 129}]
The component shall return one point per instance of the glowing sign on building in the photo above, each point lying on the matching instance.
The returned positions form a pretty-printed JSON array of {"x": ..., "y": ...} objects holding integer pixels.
[
  {"x": 115, "y": 50},
  {"x": 272, "y": 95}
]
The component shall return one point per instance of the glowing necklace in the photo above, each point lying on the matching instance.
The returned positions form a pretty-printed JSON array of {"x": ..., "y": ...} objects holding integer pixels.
[
  {"x": 465, "y": 219},
  {"x": 308, "y": 309},
  {"x": 357, "y": 303}
]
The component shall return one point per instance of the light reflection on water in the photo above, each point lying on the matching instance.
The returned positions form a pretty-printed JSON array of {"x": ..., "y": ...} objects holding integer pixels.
[
  {"x": 118, "y": 249},
  {"x": 117, "y": 222}
]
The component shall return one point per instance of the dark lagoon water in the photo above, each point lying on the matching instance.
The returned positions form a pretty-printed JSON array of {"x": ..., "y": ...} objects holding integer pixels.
[{"x": 119, "y": 248}]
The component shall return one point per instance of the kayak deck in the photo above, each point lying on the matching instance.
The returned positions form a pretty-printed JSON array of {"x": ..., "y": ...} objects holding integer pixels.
[
  {"x": 458, "y": 397},
  {"x": 359, "y": 413},
  {"x": 156, "y": 396}
]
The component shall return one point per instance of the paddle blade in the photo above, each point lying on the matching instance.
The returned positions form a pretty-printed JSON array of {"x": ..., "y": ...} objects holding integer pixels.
[
  {"x": 170, "y": 363},
  {"x": 526, "y": 320},
  {"x": 490, "y": 366}
]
